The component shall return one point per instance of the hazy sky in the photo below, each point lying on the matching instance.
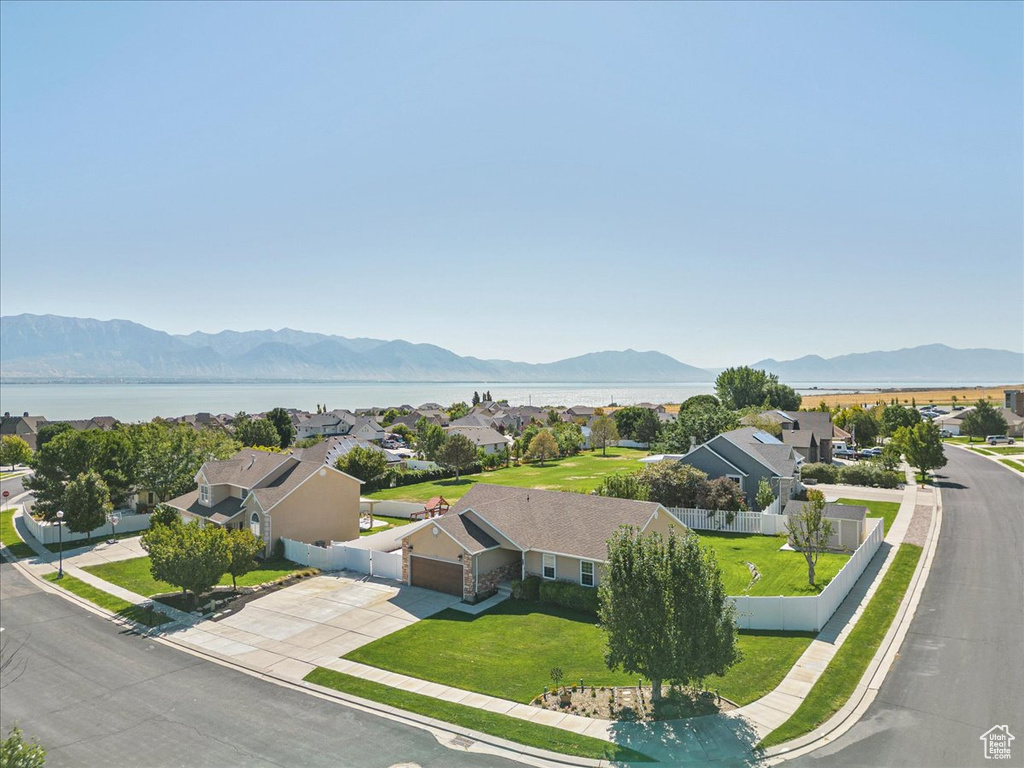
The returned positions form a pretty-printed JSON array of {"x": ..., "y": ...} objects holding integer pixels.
[{"x": 531, "y": 181}]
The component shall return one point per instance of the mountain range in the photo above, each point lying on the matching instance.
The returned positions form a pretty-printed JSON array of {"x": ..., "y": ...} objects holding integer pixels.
[{"x": 51, "y": 347}]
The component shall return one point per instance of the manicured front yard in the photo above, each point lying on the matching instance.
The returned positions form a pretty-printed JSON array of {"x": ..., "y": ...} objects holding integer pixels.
[
  {"x": 510, "y": 650},
  {"x": 782, "y": 572},
  {"x": 137, "y": 613},
  {"x": 583, "y": 472},
  {"x": 840, "y": 678},
  {"x": 884, "y": 509},
  {"x": 9, "y": 536},
  {"x": 134, "y": 575},
  {"x": 502, "y": 726}
]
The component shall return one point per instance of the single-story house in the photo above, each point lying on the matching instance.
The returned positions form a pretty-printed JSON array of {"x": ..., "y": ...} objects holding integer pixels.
[
  {"x": 848, "y": 522},
  {"x": 496, "y": 533},
  {"x": 746, "y": 455},
  {"x": 275, "y": 495},
  {"x": 489, "y": 439},
  {"x": 367, "y": 429}
]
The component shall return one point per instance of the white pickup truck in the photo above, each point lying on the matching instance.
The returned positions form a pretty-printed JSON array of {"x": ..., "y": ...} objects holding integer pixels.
[{"x": 840, "y": 450}]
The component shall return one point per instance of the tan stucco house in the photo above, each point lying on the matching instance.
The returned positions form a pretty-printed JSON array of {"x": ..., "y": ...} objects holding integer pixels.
[
  {"x": 495, "y": 533},
  {"x": 275, "y": 495}
]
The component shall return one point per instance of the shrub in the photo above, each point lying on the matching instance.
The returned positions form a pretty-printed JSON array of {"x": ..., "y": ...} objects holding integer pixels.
[
  {"x": 823, "y": 473},
  {"x": 569, "y": 595},
  {"x": 278, "y": 549},
  {"x": 393, "y": 478},
  {"x": 869, "y": 474},
  {"x": 528, "y": 589}
]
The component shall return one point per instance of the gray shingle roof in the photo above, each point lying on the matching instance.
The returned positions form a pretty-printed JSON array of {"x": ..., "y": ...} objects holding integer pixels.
[
  {"x": 780, "y": 458},
  {"x": 219, "y": 513},
  {"x": 550, "y": 521},
  {"x": 244, "y": 469},
  {"x": 268, "y": 495}
]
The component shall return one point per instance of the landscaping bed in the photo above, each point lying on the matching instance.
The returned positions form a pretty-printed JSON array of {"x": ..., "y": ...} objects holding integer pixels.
[
  {"x": 583, "y": 472},
  {"x": 509, "y": 651},
  {"x": 633, "y": 703}
]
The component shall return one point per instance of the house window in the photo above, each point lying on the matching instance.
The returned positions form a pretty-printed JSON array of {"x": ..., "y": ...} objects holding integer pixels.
[
  {"x": 149, "y": 498},
  {"x": 586, "y": 573},
  {"x": 254, "y": 524},
  {"x": 736, "y": 479},
  {"x": 204, "y": 494},
  {"x": 549, "y": 567}
]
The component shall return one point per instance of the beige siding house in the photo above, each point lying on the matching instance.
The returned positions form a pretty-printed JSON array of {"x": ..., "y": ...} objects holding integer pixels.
[
  {"x": 275, "y": 496},
  {"x": 496, "y": 533}
]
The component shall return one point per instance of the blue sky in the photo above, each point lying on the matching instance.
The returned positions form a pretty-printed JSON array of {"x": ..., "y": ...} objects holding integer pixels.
[{"x": 720, "y": 182}]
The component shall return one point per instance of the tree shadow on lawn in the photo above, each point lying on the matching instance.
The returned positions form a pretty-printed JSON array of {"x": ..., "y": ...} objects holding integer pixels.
[{"x": 717, "y": 738}]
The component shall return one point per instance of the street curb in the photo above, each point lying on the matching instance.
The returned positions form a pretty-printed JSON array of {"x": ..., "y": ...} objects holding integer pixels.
[
  {"x": 488, "y": 744},
  {"x": 994, "y": 459},
  {"x": 871, "y": 681}
]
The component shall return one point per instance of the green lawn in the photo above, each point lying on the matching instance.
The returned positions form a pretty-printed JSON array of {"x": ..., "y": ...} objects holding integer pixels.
[
  {"x": 1019, "y": 466},
  {"x": 134, "y": 575},
  {"x": 502, "y": 726},
  {"x": 510, "y": 650},
  {"x": 9, "y": 536},
  {"x": 392, "y": 522},
  {"x": 984, "y": 451},
  {"x": 884, "y": 509},
  {"x": 1005, "y": 449},
  {"x": 782, "y": 573},
  {"x": 840, "y": 678},
  {"x": 575, "y": 473},
  {"x": 137, "y": 613}
]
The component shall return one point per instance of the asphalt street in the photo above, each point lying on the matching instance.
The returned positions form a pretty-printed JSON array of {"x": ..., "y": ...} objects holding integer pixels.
[
  {"x": 961, "y": 668},
  {"x": 13, "y": 484},
  {"x": 96, "y": 695}
]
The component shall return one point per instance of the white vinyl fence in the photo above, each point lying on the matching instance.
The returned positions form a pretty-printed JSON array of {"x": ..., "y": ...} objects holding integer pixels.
[
  {"x": 340, "y": 557},
  {"x": 716, "y": 520},
  {"x": 48, "y": 533},
  {"x": 813, "y": 612},
  {"x": 391, "y": 508}
]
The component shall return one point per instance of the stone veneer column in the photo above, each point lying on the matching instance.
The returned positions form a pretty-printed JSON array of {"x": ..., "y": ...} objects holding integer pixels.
[
  {"x": 406, "y": 573},
  {"x": 468, "y": 587}
]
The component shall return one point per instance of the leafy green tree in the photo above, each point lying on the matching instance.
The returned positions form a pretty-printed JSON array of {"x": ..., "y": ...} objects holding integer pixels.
[
  {"x": 458, "y": 452},
  {"x": 543, "y": 446},
  {"x": 71, "y": 453},
  {"x": 49, "y": 431},
  {"x": 282, "y": 421},
  {"x": 169, "y": 455},
  {"x": 636, "y": 423},
  {"x": 624, "y": 485},
  {"x": 700, "y": 401},
  {"x": 261, "y": 432},
  {"x": 309, "y": 442},
  {"x": 14, "y": 450},
  {"x": 188, "y": 556},
  {"x": 365, "y": 464},
  {"x": 86, "y": 503},
  {"x": 476, "y": 398},
  {"x": 664, "y": 609},
  {"x": 569, "y": 438},
  {"x": 809, "y": 530},
  {"x": 243, "y": 547},
  {"x": 457, "y": 410},
  {"x": 922, "y": 445},
  {"x": 15, "y": 752},
  {"x": 603, "y": 433},
  {"x": 673, "y": 484},
  {"x": 781, "y": 396},
  {"x": 983, "y": 420},
  {"x": 765, "y": 496},
  {"x": 743, "y": 387},
  {"x": 553, "y": 417},
  {"x": 429, "y": 439},
  {"x": 403, "y": 431},
  {"x": 891, "y": 456},
  {"x": 860, "y": 423},
  {"x": 164, "y": 515},
  {"x": 896, "y": 416},
  {"x": 389, "y": 417},
  {"x": 721, "y": 495},
  {"x": 754, "y": 418},
  {"x": 696, "y": 425}
]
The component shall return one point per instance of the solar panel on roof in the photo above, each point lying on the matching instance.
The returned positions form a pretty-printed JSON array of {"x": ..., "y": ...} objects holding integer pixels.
[{"x": 766, "y": 439}]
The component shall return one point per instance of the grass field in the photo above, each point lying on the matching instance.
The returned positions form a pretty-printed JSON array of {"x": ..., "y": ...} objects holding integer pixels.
[
  {"x": 392, "y": 522},
  {"x": 782, "y": 573},
  {"x": 840, "y": 678},
  {"x": 9, "y": 536},
  {"x": 137, "y": 613},
  {"x": 583, "y": 472},
  {"x": 503, "y": 726},
  {"x": 510, "y": 650},
  {"x": 1019, "y": 466},
  {"x": 943, "y": 397},
  {"x": 884, "y": 509},
  {"x": 1005, "y": 449},
  {"x": 134, "y": 575}
]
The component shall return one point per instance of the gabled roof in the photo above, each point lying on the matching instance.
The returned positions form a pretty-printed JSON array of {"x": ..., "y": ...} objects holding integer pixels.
[
  {"x": 819, "y": 422},
  {"x": 479, "y": 435},
  {"x": 547, "y": 521},
  {"x": 218, "y": 513},
  {"x": 268, "y": 495},
  {"x": 245, "y": 468},
  {"x": 799, "y": 438},
  {"x": 772, "y": 454}
]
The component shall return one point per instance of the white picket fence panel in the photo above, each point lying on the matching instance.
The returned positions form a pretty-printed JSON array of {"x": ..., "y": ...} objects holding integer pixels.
[
  {"x": 48, "y": 533},
  {"x": 341, "y": 557},
  {"x": 715, "y": 520}
]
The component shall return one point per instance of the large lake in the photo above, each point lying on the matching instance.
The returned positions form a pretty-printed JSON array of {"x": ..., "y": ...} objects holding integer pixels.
[{"x": 142, "y": 402}]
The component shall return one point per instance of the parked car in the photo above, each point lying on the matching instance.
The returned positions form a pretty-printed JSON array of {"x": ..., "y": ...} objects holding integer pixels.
[
  {"x": 945, "y": 433},
  {"x": 996, "y": 439},
  {"x": 868, "y": 452},
  {"x": 844, "y": 453}
]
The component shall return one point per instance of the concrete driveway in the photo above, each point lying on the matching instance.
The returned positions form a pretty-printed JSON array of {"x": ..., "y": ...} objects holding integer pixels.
[{"x": 315, "y": 621}]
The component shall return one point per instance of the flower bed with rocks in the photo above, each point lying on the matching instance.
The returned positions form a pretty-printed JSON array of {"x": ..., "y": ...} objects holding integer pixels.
[{"x": 632, "y": 703}]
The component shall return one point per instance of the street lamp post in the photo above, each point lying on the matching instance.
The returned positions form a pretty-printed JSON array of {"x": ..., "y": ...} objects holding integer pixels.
[{"x": 60, "y": 536}]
